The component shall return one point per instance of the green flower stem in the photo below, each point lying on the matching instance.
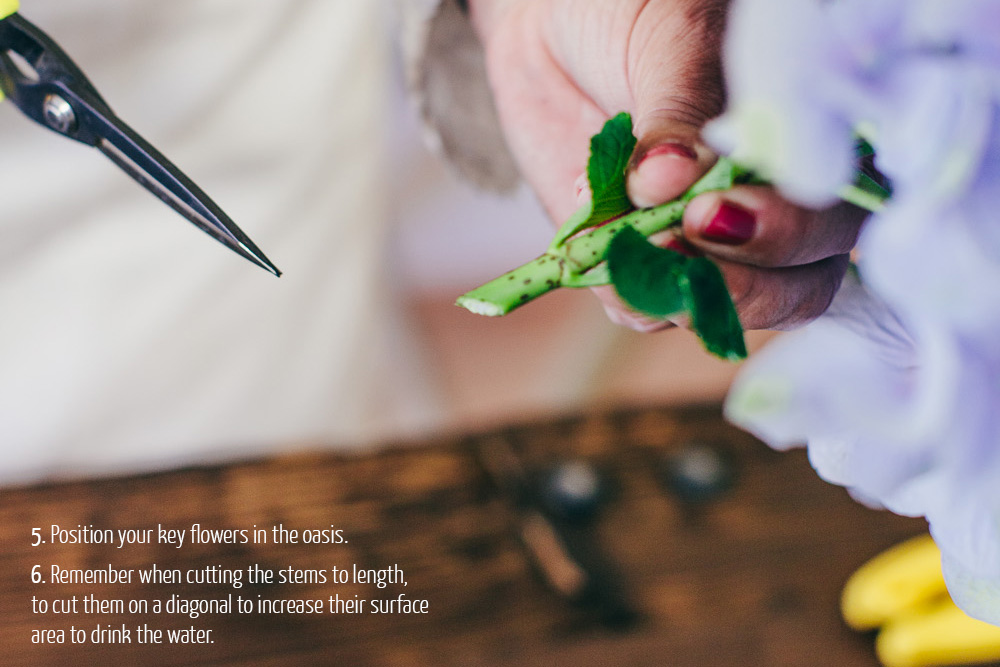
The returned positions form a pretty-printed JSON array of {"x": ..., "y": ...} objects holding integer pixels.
[
  {"x": 590, "y": 249},
  {"x": 565, "y": 265},
  {"x": 862, "y": 198},
  {"x": 515, "y": 288}
]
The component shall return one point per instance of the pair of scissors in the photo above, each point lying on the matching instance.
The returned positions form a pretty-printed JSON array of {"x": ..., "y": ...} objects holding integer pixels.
[{"x": 44, "y": 83}]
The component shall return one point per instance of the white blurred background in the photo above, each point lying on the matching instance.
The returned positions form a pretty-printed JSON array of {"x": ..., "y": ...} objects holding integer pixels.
[{"x": 131, "y": 342}]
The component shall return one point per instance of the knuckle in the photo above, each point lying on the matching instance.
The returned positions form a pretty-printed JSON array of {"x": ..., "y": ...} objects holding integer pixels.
[
  {"x": 794, "y": 236},
  {"x": 825, "y": 282},
  {"x": 743, "y": 283},
  {"x": 796, "y": 247},
  {"x": 846, "y": 220}
]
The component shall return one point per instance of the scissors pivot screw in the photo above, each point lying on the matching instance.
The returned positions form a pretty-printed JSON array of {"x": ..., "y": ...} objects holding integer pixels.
[
  {"x": 45, "y": 84},
  {"x": 58, "y": 113}
]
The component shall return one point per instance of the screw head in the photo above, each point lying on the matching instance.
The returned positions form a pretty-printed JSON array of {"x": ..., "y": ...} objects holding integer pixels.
[
  {"x": 573, "y": 490},
  {"x": 698, "y": 473},
  {"x": 58, "y": 113}
]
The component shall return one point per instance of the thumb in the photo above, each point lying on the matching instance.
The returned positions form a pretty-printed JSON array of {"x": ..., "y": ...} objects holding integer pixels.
[
  {"x": 669, "y": 157},
  {"x": 676, "y": 80}
]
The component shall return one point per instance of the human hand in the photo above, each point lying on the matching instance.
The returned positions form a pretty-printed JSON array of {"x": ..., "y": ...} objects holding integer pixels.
[{"x": 560, "y": 68}]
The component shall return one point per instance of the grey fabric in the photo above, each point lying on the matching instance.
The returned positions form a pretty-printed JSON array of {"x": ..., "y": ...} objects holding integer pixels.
[{"x": 448, "y": 75}]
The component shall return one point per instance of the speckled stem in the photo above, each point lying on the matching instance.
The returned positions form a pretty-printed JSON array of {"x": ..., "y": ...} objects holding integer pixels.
[
  {"x": 565, "y": 265},
  {"x": 514, "y": 288}
]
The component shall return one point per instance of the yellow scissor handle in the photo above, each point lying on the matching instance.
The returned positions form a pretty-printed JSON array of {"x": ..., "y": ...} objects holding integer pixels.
[
  {"x": 902, "y": 593},
  {"x": 8, "y": 7}
]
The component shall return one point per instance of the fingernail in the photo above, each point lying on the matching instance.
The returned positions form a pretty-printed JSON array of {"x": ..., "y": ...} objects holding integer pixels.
[
  {"x": 675, "y": 149},
  {"x": 731, "y": 225},
  {"x": 661, "y": 173}
]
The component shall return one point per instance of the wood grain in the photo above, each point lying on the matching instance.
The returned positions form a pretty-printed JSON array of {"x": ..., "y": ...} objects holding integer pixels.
[{"x": 750, "y": 579}]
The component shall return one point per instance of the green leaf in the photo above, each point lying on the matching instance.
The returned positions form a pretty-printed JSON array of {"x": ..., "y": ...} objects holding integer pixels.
[
  {"x": 610, "y": 152},
  {"x": 645, "y": 276},
  {"x": 713, "y": 316},
  {"x": 575, "y": 223},
  {"x": 870, "y": 189},
  {"x": 866, "y": 183},
  {"x": 862, "y": 148}
]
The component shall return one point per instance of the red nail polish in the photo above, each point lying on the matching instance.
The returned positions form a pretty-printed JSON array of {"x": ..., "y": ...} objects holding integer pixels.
[
  {"x": 675, "y": 149},
  {"x": 731, "y": 225}
]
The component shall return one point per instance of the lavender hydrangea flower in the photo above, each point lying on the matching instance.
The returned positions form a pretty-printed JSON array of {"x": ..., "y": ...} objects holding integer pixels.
[
  {"x": 779, "y": 117},
  {"x": 896, "y": 389},
  {"x": 904, "y": 420},
  {"x": 924, "y": 88},
  {"x": 939, "y": 253}
]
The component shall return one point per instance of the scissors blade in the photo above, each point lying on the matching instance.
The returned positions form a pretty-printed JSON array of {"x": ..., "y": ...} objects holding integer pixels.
[
  {"x": 48, "y": 87},
  {"x": 153, "y": 171}
]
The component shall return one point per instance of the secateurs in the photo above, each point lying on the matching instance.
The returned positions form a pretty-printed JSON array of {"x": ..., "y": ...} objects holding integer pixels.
[{"x": 45, "y": 84}]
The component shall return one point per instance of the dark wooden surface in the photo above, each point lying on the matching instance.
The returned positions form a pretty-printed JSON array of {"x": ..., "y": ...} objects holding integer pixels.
[{"x": 750, "y": 579}]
